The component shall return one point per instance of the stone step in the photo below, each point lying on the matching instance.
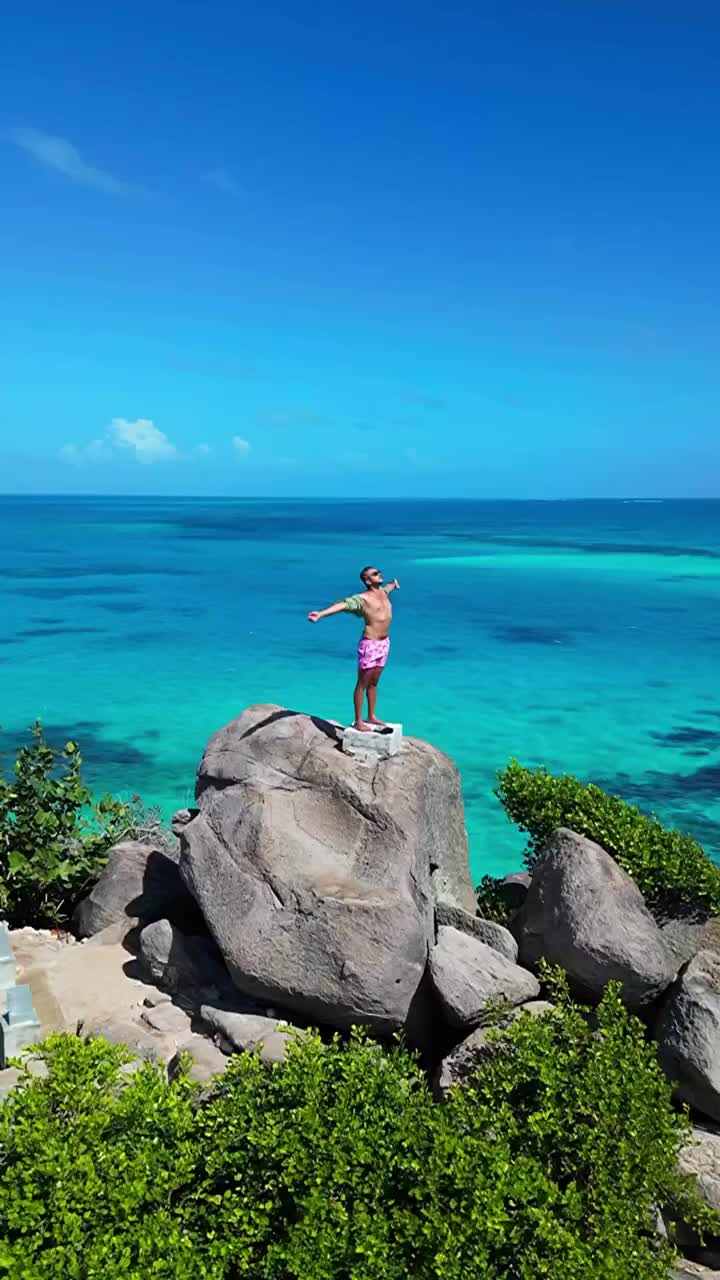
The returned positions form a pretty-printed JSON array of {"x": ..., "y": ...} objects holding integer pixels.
[{"x": 378, "y": 744}]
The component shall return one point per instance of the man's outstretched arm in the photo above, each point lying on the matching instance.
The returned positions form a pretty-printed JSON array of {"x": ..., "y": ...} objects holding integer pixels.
[
  {"x": 317, "y": 614},
  {"x": 391, "y": 586}
]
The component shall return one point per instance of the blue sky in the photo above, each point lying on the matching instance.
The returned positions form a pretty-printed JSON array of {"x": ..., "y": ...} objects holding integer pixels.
[{"x": 325, "y": 249}]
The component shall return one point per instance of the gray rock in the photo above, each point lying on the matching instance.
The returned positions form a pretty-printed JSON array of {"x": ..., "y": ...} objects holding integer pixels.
[
  {"x": 250, "y": 1033},
  {"x": 468, "y": 975},
  {"x": 467, "y": 1056},
  {"x": 125, "y": 931},
  {"x": 139, "y": 1039},
  {"x": 207, "y": 1060},
  {"x": 686, "y": 937},
  {"x": 140, "y": 882},
  {"x": 685, "y": 1270},
  {"x": 687, "y": 1031},
  {"x": 168, "y": 1019},
  {"x": 178, "y": 963},
  {"x": 244, "y": 1031},
  {"x": 586, "y": 915},
  {"x": 488, "y": 931},
  {"x": 313, "y": 873},
  {"x": 11, "y": 1077},
  {"x": 156, "y": 999},
  {"x": 180, "y": 819},
  {"x": 273, "y": 1050},
  {"x": 700, "y": 1158}
]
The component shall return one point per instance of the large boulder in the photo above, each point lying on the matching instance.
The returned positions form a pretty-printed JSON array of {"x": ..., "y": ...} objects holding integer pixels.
[
  {"x": 469, "y": 976},
  {"x": 312, "y": 869},
  {"x": 585, "y": 914},
  {"x": 141, "y": 882},
  {"x": 687, "y": 1031}
]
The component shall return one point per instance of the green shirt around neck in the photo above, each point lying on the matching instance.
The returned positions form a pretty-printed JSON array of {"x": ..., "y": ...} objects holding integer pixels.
[{"x": 356, "y": 604}]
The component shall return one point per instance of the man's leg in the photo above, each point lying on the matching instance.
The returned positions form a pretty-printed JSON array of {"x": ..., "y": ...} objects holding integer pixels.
[
  {"x": 375, "y": 675},
  {"x": 359, "y": 697}
]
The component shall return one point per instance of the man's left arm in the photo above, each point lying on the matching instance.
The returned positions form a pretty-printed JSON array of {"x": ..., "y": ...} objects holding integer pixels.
[{"x": 389, "y": 587}]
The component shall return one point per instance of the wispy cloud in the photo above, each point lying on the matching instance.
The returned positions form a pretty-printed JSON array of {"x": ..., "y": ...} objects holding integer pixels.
[
  {"x": 141, "y": 438},
  {"x": 223, "y": 180},
  {"x": 63, "y": 157},
  {"x": 241, "y": 447}
]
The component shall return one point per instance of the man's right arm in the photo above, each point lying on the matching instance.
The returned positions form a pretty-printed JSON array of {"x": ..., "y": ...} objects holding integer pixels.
[{"x": 340, "y": 607}]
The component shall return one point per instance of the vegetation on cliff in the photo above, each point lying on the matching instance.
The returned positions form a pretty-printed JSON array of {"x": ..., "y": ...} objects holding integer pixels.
[
  {"x": 671, "y": 869},
  {"x": 339, "y": 1165},
  {"x": 53, "y": 837}
]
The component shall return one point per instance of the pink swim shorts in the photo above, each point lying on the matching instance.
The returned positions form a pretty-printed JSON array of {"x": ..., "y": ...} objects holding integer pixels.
[{"x": 373, "y": 653}]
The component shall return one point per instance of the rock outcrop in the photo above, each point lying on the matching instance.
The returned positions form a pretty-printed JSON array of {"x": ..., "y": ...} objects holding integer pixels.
[
  {"x": 586, "y": 915},
  {"x": 313, "y": 870},
  {"x": 687, "y": 1031},
  {"x": 140, "y": 883},
  {"x": 469, "y": 976}
]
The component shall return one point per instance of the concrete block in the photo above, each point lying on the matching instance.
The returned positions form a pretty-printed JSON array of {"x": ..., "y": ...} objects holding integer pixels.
[
  {"x": 19, "y": 1025},
  {"x": 378, "y": 744},
  {"x": 8, "y": 973}
]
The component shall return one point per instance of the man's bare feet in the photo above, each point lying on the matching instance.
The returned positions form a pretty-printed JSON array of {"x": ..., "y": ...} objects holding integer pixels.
[
  {"x": 362, "y": 727},
  {"x": 376, "y": 724}
]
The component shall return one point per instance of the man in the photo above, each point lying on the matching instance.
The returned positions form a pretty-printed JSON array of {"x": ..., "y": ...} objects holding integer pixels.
[{"x": 373, "y": 606}]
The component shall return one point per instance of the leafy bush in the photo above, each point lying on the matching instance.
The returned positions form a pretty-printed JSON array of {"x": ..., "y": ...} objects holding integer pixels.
[
  {"x": 340, "y": 1166},
  {"x": 492, "y": 902},
  {"x": 670, "y": 868},
  {"x": 52, "y": 839}
]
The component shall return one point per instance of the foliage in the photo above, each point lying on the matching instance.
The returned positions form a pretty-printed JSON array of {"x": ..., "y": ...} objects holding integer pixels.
[
  {"x": 492, "y": 903},
  {"x": 340, "y": 1166},
  {"x": 52, "y": 838},
  {"x": 670, "y": 868}
]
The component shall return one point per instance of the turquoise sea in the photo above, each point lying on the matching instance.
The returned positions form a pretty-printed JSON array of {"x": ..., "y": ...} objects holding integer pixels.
[{"x": 581, "y": 635}]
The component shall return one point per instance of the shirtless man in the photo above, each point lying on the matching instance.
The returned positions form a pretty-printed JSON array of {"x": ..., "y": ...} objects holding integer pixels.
[{"x": 373, "y": 606}]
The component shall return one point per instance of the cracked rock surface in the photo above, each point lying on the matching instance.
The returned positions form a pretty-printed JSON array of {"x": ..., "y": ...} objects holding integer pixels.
[{"x": 313, "y": 874}]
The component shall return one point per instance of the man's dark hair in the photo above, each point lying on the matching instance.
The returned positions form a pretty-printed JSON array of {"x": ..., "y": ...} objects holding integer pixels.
[{"x": 364, "y": 573}]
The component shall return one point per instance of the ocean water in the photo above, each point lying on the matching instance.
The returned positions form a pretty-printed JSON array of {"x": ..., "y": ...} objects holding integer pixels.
[{"x": 582, "y": 636}]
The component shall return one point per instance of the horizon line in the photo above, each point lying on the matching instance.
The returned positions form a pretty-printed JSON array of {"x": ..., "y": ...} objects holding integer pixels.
[{"x": 286, "y": 497}]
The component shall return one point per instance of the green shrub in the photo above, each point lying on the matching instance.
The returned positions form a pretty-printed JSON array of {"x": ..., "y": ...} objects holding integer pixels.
[
  {"x": 52, "y": 839},
  {"x": 340, "y": 1166},
  {"x": 670, "y": 868}
]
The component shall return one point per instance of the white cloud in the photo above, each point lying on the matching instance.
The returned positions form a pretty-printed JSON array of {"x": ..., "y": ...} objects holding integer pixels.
[
  {"x": 203, "y": 450},
  {"x": 241, "y": 446},
  {"x": 148, "y": 442},
  {"x": 61, "y": 156},
  {"x": 223, "y": 180}
]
